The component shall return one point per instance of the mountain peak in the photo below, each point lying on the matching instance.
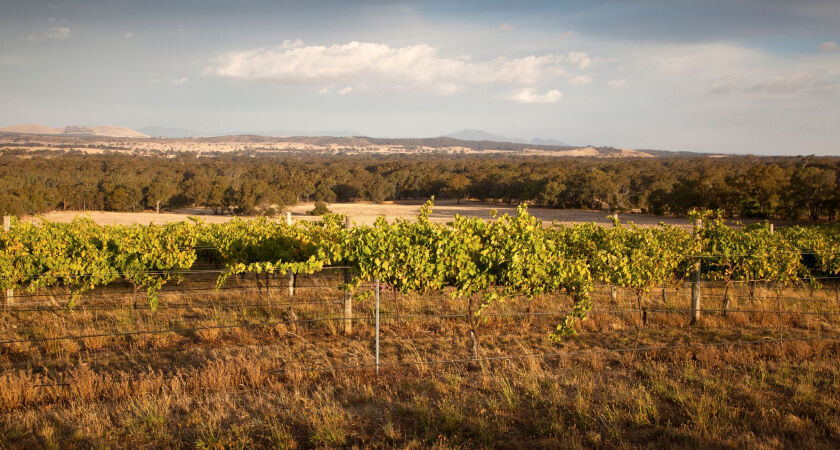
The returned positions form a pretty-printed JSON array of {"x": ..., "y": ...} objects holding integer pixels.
[
  {"x": 481, "y": 135},
  {"x": 478, "y": 135}
]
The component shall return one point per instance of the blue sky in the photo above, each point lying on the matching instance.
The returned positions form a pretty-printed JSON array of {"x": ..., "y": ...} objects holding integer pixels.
[{"x": 735, "y": 76}]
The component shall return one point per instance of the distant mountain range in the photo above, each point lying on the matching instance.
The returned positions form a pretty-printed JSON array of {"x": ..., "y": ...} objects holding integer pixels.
[
  {"x": 465, "y": 135},
  {"x": 74, "y": 130},
  {"x": 475, "y": 140},
  {"x": 178, "y": 133},
  {"x": 481, "y": 135},
  {"x": 166, "y": 132}
]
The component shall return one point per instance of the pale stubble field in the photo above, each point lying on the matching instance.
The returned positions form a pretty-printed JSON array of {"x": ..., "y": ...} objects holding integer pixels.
[{"x": 366, "y": 213}]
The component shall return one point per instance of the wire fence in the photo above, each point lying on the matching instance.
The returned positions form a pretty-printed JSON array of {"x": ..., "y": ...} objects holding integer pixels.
[
  {"x": 49, "y": 302},
  {"x": 376, "y": 316},
  {"x": 387, "y": 317}
]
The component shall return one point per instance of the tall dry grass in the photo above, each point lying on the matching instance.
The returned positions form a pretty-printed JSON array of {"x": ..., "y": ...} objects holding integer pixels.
[{"x": 269, "y": 384}]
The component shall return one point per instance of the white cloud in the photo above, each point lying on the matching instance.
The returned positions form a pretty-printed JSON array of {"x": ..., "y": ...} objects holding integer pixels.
[
  {"x": 615, "y": 84},
  {"x": 580, "y": 80},
  {"x": 58, "y": 33},
  {"x": 128, "y": 35},
  {"x": 828, "y": 46},
  {"x": 581, "y": 59},
  {"x": 414, "y": 68},
  {"x": 55, "y": 33},
  {"x": 731, "y": 69},
  {"x": 330, "y": 89},
  {"x": 530, "y": 95},
  {"x": 807, "y": 82},
  {"x": 288, "y": 43},
  {"x": 175, "y": 81}
]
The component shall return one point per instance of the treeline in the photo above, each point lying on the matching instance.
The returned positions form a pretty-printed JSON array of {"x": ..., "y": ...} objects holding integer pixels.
[{"x": 771, "y": 187}]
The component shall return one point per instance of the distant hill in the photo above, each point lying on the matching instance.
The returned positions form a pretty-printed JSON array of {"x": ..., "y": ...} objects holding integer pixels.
[
  {"x": 481, "y": 135},
  {"x": 540, "y": 141},
  {"x": 31, "y": 128},
  {"x": 104, "y": 130},
  {"x": 446, "y": 141},
  {"x": 338, "y": 140},
  {"x": 75, "y": 130},
  {"x": 166, "y": 132},
  {"x": 316, "y": 133},
  {"x": 440, "y": 143}
]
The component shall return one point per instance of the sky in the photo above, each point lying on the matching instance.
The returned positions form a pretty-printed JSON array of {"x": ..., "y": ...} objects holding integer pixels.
[{"x": 729, "y": 76}]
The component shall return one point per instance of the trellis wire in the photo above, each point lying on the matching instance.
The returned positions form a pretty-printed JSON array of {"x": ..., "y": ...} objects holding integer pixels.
[{"x": 385, "y": 317}]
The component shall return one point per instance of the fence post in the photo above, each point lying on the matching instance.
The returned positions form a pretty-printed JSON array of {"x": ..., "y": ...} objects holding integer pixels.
[
  {"x": 289, "y": 274},
  {"x": 377, "y": 326},
  {"x": 772, "y": 230},
  {"x": 348, "y": 296},
  {"x": 291, "y": 278},
  {"x": 695, "y": 287},
  {"x": 348, "y": 304},
  {"x": 9, "y": 295}
]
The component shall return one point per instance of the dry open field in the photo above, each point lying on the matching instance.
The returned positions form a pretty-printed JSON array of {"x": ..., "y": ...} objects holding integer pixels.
[
  {"x": 367, "y": 212},
  {"x": 231, "y": 369}
]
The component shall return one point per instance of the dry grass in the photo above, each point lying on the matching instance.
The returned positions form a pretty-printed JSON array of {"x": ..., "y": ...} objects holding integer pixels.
[
  {"x": 367, "y": 212},
  {"x": 254, "y": 386}
]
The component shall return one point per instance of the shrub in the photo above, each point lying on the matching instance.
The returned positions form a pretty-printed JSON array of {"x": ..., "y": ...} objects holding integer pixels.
[{"x": 320, "y": 209}]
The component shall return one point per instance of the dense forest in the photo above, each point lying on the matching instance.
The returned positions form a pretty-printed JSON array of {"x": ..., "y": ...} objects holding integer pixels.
[{"x": 256, "y": 183}]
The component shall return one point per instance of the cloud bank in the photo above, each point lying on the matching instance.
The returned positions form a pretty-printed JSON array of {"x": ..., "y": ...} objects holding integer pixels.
[
  {"x": 414, "y": 69},
  {"x": 54, "y": 34},
  {"x": 730, "y": 69}
]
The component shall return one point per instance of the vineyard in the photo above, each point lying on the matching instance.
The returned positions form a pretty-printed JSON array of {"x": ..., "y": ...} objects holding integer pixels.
[{"x": 322, "y": 321}]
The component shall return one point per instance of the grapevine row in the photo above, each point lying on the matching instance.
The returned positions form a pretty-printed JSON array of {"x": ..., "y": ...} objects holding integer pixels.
[{"x": 480, "y": 261}]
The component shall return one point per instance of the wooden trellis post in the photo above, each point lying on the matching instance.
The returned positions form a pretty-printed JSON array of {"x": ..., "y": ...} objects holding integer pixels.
[
  {"x": 290, "y": 274},
  {"x": 348, "y": 296},
  {"x": 695, "y": 288},
  {"x": 348, "y": 304}
]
